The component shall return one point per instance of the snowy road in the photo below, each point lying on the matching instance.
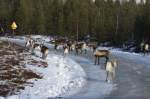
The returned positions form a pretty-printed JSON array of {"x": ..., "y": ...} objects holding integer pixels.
[
  {"x": 96, "y": 86},
  {"x": 133, "y": 78}
]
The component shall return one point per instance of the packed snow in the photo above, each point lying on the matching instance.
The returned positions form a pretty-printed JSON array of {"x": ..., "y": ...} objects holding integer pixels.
[{"x": 61, "y": 78}]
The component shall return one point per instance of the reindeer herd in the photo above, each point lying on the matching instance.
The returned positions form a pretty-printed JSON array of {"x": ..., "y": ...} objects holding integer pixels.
[
  {"x": 33, "y": 45},
  {"x": 79, "y": 48}
]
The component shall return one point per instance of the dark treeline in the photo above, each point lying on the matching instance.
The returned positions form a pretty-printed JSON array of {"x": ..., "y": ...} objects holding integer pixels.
[{"x": 104, "y": 21}]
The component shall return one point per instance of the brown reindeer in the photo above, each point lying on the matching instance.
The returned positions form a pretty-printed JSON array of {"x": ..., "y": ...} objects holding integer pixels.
[
  {"x": 58, "y": 42},
  {"x": 44, "y": 51},
  {"x": 101, "y": 53},
  {"x": 80, "y": 47}
]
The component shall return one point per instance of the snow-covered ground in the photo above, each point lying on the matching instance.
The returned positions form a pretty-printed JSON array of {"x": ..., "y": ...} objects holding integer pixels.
[
  {"x": 72, "y": 77},
  {"x": 62, "y": 77},
  {"x": 84, "y": 76}
]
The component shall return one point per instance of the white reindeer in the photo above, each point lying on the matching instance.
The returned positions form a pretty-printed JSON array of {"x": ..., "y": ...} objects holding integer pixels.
[
  {"x": 142, "y": 46},
  {"x": 146, "y": 49},
  {"x": 111, "y": 66},
  {"x": 66, "y": 51},
  {"x": 84, "y": 47},
  {"x": 73, "y": 47}
]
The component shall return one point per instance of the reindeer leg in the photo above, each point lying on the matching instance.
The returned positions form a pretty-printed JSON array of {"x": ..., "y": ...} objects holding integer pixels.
[
  {"x": 43, "y": 56},
  {"x": 81, "y": 51},
  {"x": 76, "y": 51},
  {"x": 32, "y": 51},
  {"x": 144, "y": 53},
  {"x": 46, "y": 56},
  {"x": 98, "y": 60},
  {"x": 64, "y": 55},
  {"x": 114, "y": 74},
  {"x": 95, "y": 60},
  {"x": 107, "y": 76}
]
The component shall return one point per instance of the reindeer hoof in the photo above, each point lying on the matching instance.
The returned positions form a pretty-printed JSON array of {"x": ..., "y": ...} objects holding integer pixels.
[{"x": 106, "y": 80}]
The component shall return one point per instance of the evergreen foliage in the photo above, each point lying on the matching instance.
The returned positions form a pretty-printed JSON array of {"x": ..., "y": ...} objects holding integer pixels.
[{"x": 103, "y": 20}]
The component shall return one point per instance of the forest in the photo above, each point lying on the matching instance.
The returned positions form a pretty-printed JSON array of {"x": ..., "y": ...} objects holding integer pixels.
[{"x": 104, "y": 21}]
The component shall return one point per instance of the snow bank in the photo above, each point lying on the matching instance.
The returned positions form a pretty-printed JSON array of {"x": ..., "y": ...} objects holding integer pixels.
[
  {"x": 62, "y": 77},
  {"x": 43, "y": 38}
]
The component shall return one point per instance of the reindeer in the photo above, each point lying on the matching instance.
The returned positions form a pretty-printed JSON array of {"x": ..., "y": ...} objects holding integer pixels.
[
  {"x": 35, "y": 46},
  {"x": 40, "y": 47},
  {"x": 81, "y": 47},
  {"x": 29, "y": 42},
  {"x": 101, "y": 53},
  {"x": 111, "y": 66},
  {"x": 146, "y": 49},
  {"x": 44, "y": 51},
  {"x": 58, "y": 42},
  {"x": 56, "y": 45},
  {"x": 69, "y": 44},
  {"x": 84, "y": 48},
  {"x": 142, "y": 46},
  {"x": 73, "y": 47},
  {"x": 66, "y": 50}
]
